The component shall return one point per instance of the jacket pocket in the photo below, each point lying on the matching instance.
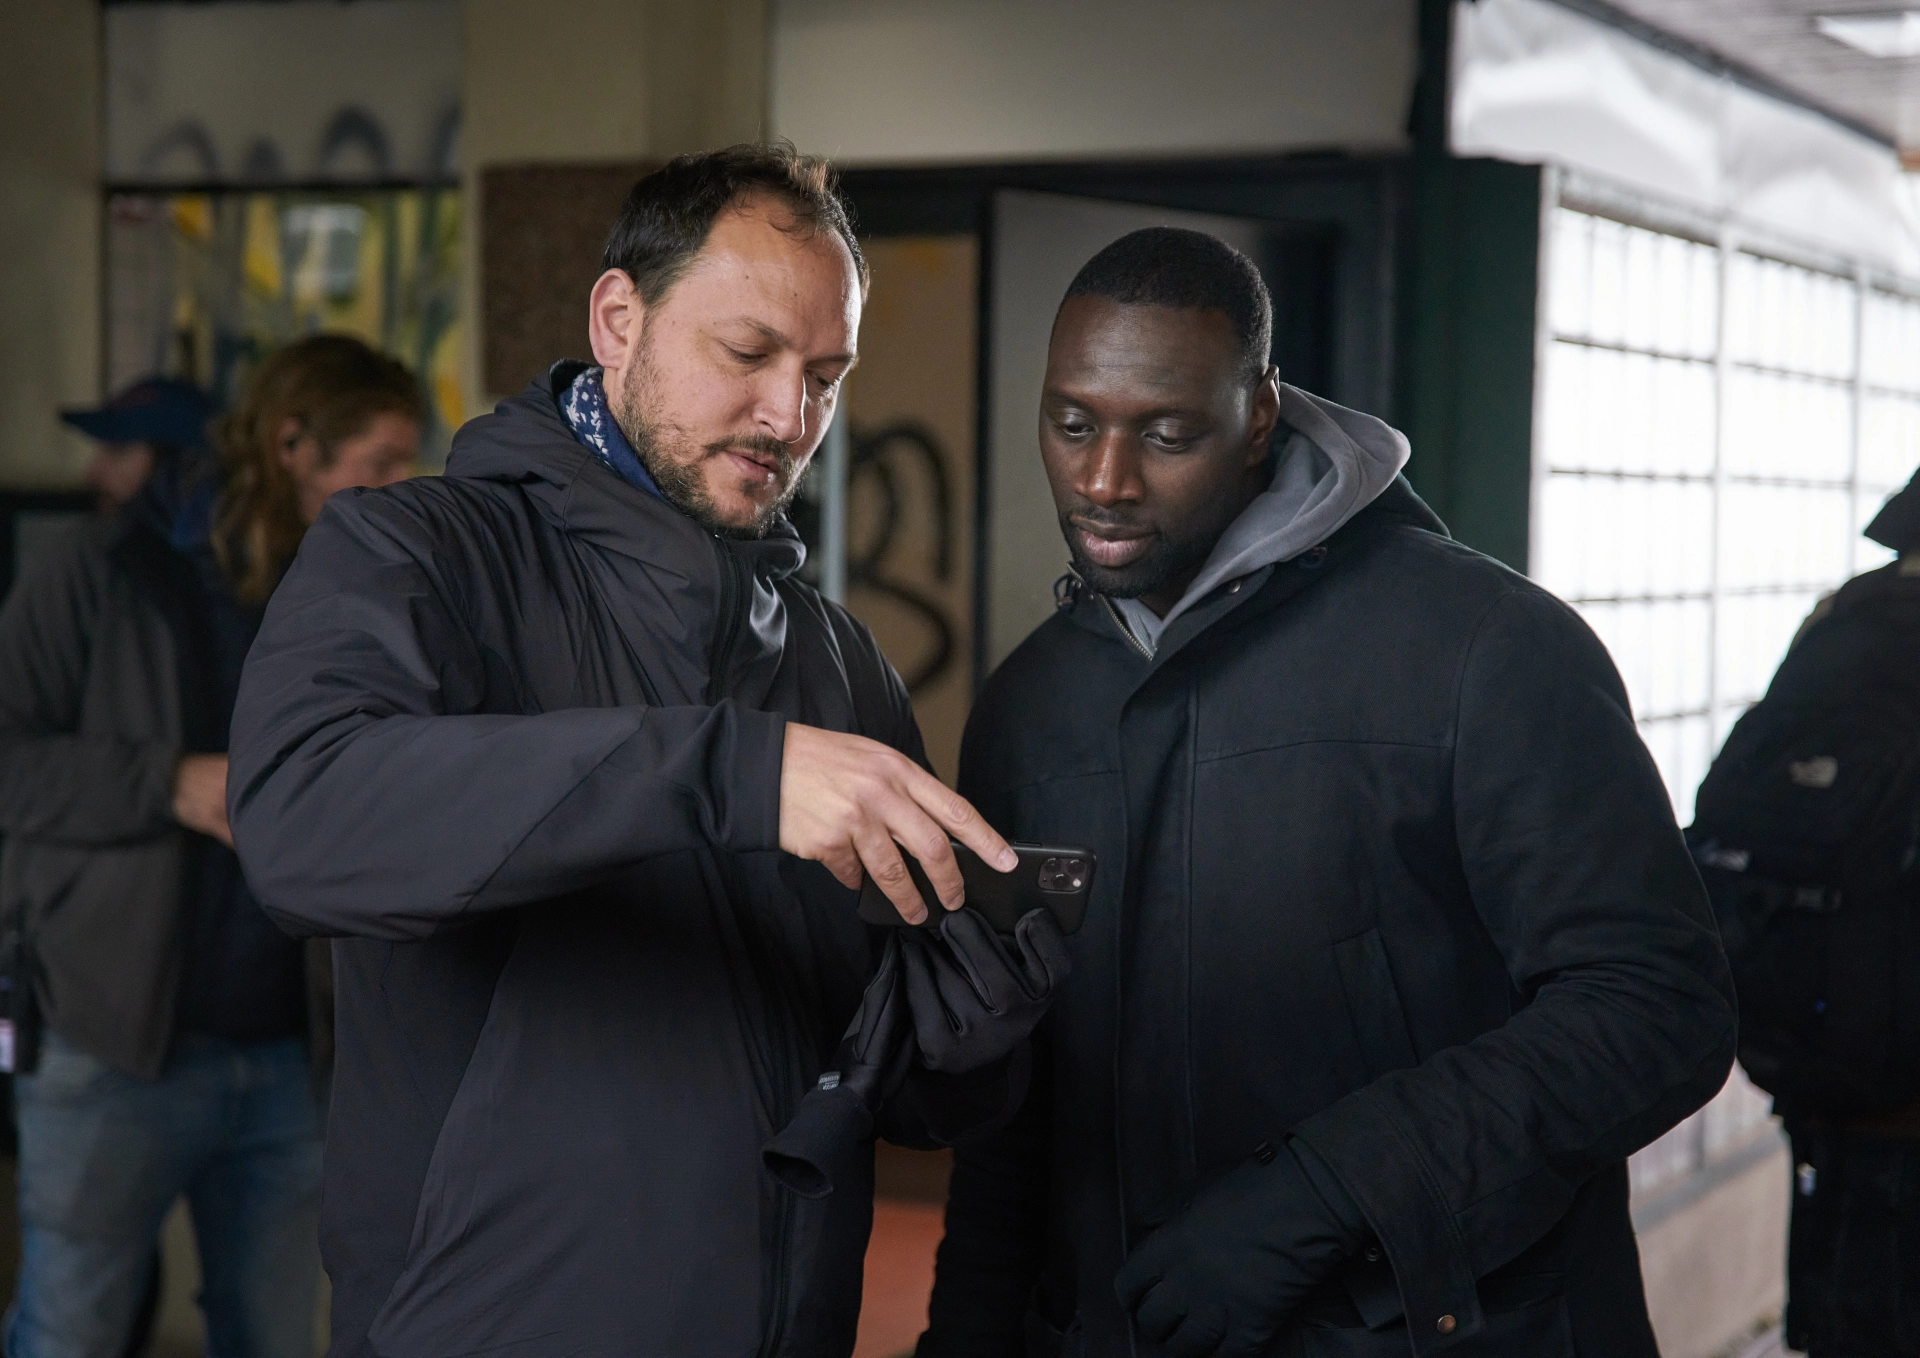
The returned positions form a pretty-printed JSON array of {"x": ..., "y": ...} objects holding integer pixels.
[
  {"x": 1373, "y": 1003},
  {"x": 1044, "y": 1341},
  {"x": 1540, "y": 1330}
]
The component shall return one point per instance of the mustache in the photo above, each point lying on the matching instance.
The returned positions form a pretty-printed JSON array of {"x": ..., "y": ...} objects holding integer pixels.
[
  {"x": 1091, "y": 516},
  {"x": 764, "y": 444}
]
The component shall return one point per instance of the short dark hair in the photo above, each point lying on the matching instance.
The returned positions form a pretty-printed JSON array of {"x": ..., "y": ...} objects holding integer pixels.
[
  {"x": 667, "y": 215},
  {"x": 1173, "y": 267}
]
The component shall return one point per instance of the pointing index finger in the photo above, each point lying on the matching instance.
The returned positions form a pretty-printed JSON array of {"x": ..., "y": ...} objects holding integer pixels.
[{"x": 965, "y": 824}]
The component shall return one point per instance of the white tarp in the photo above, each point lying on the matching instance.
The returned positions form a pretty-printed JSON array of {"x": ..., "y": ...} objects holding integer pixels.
[{"x": 1535, "y": 82}]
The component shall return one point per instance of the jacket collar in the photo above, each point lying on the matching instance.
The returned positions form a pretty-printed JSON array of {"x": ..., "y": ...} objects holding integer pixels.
[
  {"x": 1240, "y": 601},
  {"x": 527, "y": 442}
]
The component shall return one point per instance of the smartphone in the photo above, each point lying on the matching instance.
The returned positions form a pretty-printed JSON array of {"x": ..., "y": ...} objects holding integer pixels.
[{"x": 1047, "y": 877}]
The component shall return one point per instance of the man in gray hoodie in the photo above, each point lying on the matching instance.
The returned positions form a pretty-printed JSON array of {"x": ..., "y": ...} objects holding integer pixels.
[{"x": 1395, "y": 953}]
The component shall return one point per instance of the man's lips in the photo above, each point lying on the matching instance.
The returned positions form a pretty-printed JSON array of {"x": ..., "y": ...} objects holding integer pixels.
[
  {"x": 1112, "y": 546},
  {"x": 758, "y": 466}
]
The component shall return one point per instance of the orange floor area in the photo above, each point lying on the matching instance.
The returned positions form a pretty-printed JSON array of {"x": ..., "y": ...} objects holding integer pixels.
[{"x": 899, "y": 1277}]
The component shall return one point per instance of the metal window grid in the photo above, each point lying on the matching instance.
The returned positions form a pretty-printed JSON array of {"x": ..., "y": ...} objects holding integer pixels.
[{"x": 1718, "y": 414}]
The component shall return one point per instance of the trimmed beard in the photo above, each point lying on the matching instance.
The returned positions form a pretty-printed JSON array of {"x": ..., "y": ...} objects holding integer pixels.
[
  {"x": 1166, "y": 561},
  {"x": 675, "y": 465}
]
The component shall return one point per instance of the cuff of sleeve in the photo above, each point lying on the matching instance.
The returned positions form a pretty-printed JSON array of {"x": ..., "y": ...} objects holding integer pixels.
[
  {"x": 753, "y": 810},
  {"x": 155, "y": 768},
  {"x": 1384, "y": 1174},
  {"x": 821, "y": 1148}
]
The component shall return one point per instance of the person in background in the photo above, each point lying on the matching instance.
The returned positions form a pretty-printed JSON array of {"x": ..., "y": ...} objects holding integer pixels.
[
  {"x": 1807, "y": 831},
  {"x": 153, "y": 423},
  {"x": 161, "y": 1021}
]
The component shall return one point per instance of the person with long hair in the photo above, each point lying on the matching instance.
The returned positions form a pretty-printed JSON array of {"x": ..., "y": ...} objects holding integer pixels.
[{"x": 163, "y": 1029}]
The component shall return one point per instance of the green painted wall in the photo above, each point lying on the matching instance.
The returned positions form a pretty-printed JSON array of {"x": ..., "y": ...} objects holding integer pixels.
[{"x": 1470, "y": 347}]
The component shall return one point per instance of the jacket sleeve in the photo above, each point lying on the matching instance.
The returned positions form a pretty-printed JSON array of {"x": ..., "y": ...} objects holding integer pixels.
[
  {"x": 995, "y": 1242},
  {"x": 994, "y": 1248},
  {"x": 57, "y": 783},
  {"x": 369, "y": 796},
  {"x": 1624, "y": 1021}
]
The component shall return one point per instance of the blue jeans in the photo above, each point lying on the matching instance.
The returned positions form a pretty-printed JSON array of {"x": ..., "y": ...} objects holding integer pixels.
[{"x": 236, "y": 1128}]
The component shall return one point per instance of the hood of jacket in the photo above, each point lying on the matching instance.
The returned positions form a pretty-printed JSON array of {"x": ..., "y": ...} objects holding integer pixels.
[
  {"x": 1334, "y": 463},
  {"x": 711, "y": 606},
  {"x": 1897, "y": 525},
  {"x": 527, "y": 442}
]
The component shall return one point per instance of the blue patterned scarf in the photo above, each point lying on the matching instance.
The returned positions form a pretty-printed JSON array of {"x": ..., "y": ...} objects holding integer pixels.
[{"x": 585, "y": 406}]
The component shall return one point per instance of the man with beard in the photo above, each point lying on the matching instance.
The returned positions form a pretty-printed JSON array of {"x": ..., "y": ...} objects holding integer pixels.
[
  {"x": 1395, "y": 954},
  {"x": 547, "y": 743}
]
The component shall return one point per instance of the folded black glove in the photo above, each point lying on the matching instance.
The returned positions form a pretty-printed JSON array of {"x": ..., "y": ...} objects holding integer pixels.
[
  {"x": 961, "y": 999},
  {"x": 975, "y": 996},
  {"x": 836, "y": 1117},
  {"x": 1224, "y": 1276}
]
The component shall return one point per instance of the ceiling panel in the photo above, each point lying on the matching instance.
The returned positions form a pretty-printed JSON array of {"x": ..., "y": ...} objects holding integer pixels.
[{"x": 1777, "y": 40}]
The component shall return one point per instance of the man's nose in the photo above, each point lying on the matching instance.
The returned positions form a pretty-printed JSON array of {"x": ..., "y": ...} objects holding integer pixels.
[
  {"x": 1111, "y": 473},
  {"x": 783, "y": 406}
]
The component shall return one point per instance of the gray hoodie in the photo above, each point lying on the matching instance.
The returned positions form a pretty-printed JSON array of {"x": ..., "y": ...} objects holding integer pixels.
[{"x": 1333, "y": 465}]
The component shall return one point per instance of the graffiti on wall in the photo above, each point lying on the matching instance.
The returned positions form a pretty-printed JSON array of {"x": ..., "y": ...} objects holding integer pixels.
[
  {"x": 881, "y": 461},
  {"x": 902, "y": 543},
  {"x": 354, "y": 147},
  {"x": 200, "y": 285}
]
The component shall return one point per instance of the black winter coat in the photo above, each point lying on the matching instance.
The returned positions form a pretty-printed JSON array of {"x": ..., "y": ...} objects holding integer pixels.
[
  {"x": 1383, "y": 864},
  {"x": 93, "y": 643},
  {"x": 514, "y": 735},
  {"x": 106, "y": 680}
]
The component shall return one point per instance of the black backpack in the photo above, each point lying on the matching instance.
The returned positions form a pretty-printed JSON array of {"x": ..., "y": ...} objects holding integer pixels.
[{"x": 1807, "y": 833}]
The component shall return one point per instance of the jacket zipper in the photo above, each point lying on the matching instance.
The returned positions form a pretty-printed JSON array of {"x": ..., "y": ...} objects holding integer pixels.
[
  {"x": 730, "y": 613},
  {"x": 783, "y": 1024},
  {"x": 783, "y": 1020},
  {"x": 781, "y": 1012},
  {"x": 1125, "y": 630}
]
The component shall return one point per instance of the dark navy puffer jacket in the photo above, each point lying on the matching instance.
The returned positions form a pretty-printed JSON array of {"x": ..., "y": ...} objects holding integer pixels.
[{"x": 513, "y": 735}]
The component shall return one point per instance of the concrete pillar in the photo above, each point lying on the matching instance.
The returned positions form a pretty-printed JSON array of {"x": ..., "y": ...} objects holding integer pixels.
[
  {"x": 586, "y": 81},
  {"x": 709, "y": 68},
  {"x": 50, "y": 214}
]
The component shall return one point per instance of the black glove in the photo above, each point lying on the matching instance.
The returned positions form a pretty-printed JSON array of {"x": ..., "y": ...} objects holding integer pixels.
[
  {"x": 974, "y": 996},
  {"x": 836, "y": 1117},
  {"x": 1224, "y": 1276}
]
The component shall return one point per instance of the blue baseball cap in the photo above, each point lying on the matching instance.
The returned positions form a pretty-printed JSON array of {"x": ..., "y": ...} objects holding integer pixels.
[{"x": 153, "y": 410}]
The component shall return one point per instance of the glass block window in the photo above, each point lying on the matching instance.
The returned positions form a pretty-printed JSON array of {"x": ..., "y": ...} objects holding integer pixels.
[
  {"x": 1715, "y": 428},
  {"x": 1889, "y": 407},
  {"x": 1623, "y": 521},
  {"x": 1696, "y": 498}
]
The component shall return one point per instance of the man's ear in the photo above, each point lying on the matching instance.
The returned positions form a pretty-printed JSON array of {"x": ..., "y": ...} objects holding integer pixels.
[
  {"x": 1265, "y": 415},
  {"x": 614, "y": 314}
]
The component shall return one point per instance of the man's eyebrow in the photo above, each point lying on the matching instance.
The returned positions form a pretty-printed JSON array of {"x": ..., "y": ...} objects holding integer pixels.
[
  {"x": 779, "y": 340},
  {"x": 1050, "y": 395}
]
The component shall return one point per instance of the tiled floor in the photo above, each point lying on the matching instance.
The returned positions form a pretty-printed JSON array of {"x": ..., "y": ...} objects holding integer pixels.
[{"x": 899, "y": 1280}]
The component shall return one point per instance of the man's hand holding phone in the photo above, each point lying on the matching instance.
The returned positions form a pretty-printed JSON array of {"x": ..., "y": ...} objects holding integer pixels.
[{"x": 852, "y": 803}]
